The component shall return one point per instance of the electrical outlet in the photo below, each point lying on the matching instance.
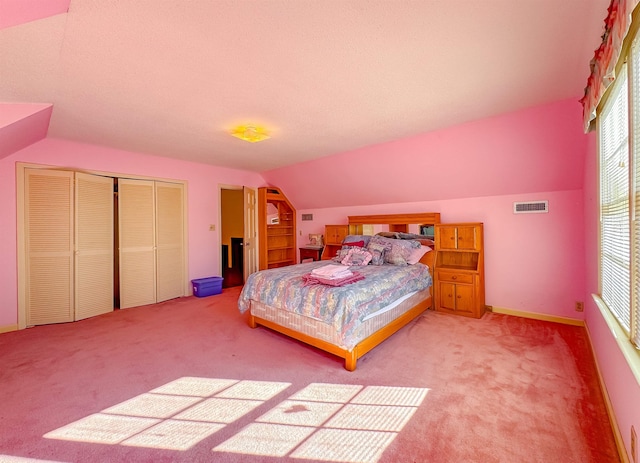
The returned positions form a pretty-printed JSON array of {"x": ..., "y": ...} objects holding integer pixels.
[
  {"x": 488, "y": 308},
  {"x": 579, "y": 307},
  {"x": 634, "y": 445}
]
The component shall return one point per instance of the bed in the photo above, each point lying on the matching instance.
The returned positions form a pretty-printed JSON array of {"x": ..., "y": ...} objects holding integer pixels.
[{"x": 348, "y": 321}]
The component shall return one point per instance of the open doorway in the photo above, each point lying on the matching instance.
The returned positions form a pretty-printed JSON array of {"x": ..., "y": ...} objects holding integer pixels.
[{"x": 231, "y": 236}]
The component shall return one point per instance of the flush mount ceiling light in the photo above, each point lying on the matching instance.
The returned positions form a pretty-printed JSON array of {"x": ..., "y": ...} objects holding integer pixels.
[{"x": 250, "y": 133}]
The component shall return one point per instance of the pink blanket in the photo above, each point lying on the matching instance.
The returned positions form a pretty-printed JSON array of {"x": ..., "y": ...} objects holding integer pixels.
[{"x": 310, "y": 279}]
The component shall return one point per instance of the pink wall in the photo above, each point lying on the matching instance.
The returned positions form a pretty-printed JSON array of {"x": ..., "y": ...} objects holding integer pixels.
[
  {"x": 622, "y": 387},
  {"x": 533, "y": 262},
  {"x": 473, "y": 172},
  {"x": 202, "y": 193},
  {"x": 538, "y": 149},
  {"x": 16, "y": 12},
  {"x": 22, "y": 124}
]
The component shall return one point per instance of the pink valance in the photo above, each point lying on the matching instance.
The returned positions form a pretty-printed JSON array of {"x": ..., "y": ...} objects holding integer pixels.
[{"x": 603, "y": 64}]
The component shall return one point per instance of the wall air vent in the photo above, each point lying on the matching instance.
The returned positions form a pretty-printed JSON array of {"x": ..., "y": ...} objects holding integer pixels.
[
  {"x": 307, "y": 216},
  {"x": 530, "y": 207}
]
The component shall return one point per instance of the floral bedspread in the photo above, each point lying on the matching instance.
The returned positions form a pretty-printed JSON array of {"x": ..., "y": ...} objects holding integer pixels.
[{"x": 343, "y": 307}]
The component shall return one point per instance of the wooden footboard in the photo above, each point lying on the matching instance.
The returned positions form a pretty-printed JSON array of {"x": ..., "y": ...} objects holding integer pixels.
[{"x": 364, "y": 346}]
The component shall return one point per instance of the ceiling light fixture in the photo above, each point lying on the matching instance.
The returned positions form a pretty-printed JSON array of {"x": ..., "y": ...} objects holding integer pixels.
[{"x": 250, "y": 133}]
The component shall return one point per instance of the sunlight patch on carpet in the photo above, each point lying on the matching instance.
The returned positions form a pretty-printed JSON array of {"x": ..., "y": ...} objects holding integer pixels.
[
  {"x": 323, "y": 392},
  {"x": 152, "y": 406},
  {"x": 102, "y": 429},
  {"x": 219, "y": 410},
  {"x": 266, "y": 439},
  {"x": 254, "y": 390},
  {"x": 334, "y": 423},
  {"x": 345, "y": 446},
  {"x": 196, "y": 387},
  {"x": 173, "y": 435},
  {"x": 300, "y": 413},
  {"x": 340, "y": 423},
  {"x": 174, "y": 416}
]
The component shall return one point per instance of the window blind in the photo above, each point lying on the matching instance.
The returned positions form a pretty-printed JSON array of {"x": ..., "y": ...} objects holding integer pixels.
[
  {"x": 635, "y": 143},
  {"x": 615, "y": 251}
]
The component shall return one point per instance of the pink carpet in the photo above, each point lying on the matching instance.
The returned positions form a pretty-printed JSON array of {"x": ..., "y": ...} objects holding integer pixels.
[{"x": 189, "y": 381}]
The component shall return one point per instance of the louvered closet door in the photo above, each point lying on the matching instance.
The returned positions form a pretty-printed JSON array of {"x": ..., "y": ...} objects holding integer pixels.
[
  {"x": 169, "y": 240},
  {"x": 49, "y": 247},
  {"x": 94, "y": 245},
  {"x": 136, "y": 230}
]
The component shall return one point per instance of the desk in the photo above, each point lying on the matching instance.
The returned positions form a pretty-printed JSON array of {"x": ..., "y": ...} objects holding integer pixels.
[{"x": 310, "y": 252}]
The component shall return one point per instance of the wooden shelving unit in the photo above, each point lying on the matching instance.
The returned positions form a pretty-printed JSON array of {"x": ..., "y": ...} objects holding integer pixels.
[
  {"x": 277, "y": 229},
  {"x": 333, "y": 237},
  {"x": 459, "y": 272}
]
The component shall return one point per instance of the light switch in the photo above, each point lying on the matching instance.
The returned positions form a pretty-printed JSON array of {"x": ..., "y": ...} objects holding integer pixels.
[{"x": 212, "y": 227}]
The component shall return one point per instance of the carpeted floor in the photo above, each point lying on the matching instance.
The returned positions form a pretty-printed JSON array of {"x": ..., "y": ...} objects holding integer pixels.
[{"x": 189, "y": 381}]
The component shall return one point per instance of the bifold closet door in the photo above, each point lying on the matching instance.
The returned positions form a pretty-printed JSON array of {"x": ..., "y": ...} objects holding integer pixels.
[
  {"x": 136, "y": 234},
  {"x": 94, "y": 245},
  {"x": 169, "y": 240},
  {"x": 49, "y": 215},
  {"x": 69, "y": 246}
]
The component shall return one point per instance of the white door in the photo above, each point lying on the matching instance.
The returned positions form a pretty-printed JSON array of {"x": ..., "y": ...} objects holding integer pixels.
[
  {"x": 250, "y": 251},
  {"x": 169, "y": 240},
  {"x": 49, "y": 246},
  {"x": 136, "y": 235},
  {"x": 93, "y": 245}
]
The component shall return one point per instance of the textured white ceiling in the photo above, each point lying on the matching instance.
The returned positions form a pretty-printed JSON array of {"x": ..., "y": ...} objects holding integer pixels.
[{"x": 172, "y": 77}]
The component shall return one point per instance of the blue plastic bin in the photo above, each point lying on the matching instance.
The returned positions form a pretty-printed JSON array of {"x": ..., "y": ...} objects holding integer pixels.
[{"x": 203, "y": 287}]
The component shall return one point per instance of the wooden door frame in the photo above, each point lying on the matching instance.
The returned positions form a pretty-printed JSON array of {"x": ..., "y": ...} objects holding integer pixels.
[{"x": 21, "y": 253}]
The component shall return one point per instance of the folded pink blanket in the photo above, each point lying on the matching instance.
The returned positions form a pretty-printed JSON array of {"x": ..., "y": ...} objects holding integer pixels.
[
  {"x": 332, "y": 271},
  {"x": 310, "y": 279}
]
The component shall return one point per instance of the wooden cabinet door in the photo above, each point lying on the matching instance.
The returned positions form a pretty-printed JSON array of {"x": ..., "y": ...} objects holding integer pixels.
[
  {"x": 330, "y": 234},
  {"x": 464, "y": 299},
  {"x": 335, "y": 234},
  {"x": 466, "y": 238},
  {"x": 447, "y": 238},
  {"x": 341, "y": 234},
  {"x": 456, "y": 298},
  {"x": 447, "y": 296}
]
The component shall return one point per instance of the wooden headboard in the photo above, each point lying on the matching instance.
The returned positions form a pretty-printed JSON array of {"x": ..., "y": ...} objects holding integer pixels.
[
  {"x": 398, "y": 223},
  {"x": 396, "y": 219}
]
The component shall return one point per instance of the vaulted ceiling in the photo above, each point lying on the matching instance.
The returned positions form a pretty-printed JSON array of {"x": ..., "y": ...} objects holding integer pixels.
[{"x": 172, "y": 78}]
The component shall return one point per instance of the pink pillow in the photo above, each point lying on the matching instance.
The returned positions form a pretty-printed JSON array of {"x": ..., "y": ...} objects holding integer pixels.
[
  {"x": 359, "y": 244},
  {"x": 417, "y": 254}
]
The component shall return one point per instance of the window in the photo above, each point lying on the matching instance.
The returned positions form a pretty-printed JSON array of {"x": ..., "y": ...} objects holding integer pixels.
[{"x": 619, "y": 168}]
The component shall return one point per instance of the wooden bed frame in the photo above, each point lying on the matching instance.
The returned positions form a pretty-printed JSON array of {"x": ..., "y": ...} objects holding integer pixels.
[{"x": 396, "y": 222}]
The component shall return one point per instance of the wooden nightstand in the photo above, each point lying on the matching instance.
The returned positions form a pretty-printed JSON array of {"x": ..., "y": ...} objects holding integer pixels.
[{"x": 310, "y": 252}]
